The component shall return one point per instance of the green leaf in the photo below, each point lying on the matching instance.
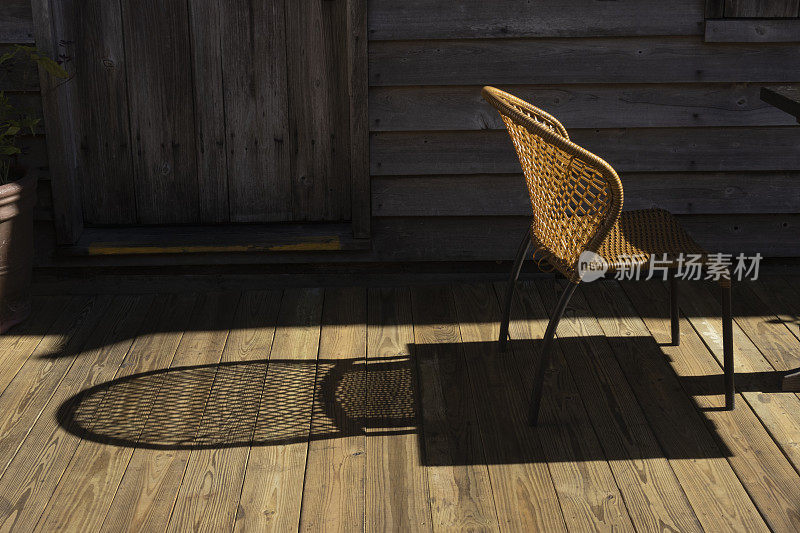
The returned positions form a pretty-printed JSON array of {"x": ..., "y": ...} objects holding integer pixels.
[
  {"x": 9, "y": 150},
  {"x": 52, "y": 68},
  {"x": 13, "y": 130}
]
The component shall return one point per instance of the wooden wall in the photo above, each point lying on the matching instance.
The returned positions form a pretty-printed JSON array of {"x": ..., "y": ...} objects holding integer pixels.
[{"x": 632, "y": 80}]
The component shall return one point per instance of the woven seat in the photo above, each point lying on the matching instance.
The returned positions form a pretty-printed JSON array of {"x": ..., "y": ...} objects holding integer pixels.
[
  {"x": 638, "y": 235},
  {"x": 577, "y": 199}
]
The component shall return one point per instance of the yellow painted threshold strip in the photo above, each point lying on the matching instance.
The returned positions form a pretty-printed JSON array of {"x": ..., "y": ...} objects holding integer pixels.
[{"x": 317, "y": 244}]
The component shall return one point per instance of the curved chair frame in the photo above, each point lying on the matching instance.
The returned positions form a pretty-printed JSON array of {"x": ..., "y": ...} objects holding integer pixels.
[{"x": 538, "y": 135}]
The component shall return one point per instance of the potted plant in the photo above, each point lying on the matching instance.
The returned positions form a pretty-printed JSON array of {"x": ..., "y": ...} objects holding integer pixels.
[{"x": 17, "y": 197}]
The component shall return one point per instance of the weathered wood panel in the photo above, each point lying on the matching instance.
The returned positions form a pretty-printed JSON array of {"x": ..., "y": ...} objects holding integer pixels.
[
  {"x": 502, "y": 194},
  {"x": 495, "y": 238},
  {"x": 107, "y": 180},
  {"x": 16, "y": 23},
  {"x": 358, "y": 61},
  {"x": 158, "y": 54},
  {"x": 628, "y": 150},
  {"x": 577, "y": 106},
  {"x": 556, "y": 61},
  {"x": 753, "y": 31},
  {"x": 761, "y": 8},
  {"x": 205, "y": 18},
  {"x": 256, "y": 107},
  {"x": 51, "y": 29},
  {"x": 424, "y": 19},
  {"x": 319, "y": 104}
]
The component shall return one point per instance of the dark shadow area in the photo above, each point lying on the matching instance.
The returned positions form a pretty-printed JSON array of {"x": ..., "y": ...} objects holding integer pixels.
[
  {"x": 659, "y": 308},
  {"x": 254, "y": 403},
  {"x": 263, "y": 403}
]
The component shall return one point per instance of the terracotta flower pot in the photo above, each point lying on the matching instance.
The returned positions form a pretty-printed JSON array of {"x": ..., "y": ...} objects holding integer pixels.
[{"x": 17, "y": 200}]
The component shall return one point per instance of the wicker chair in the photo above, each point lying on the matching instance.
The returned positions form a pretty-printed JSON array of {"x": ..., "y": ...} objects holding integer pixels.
[{"x": 577, "y": 207}]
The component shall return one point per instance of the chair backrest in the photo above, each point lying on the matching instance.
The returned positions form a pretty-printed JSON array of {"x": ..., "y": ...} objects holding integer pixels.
[{"x": 575, "y": 195}]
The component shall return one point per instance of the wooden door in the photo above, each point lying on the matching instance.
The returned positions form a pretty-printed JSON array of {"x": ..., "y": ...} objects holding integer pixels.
[{"x": 220, "y": 111}]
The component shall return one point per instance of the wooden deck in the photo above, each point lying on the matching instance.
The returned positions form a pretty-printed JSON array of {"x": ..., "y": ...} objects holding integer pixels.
[{"x": 390, "y": 409}]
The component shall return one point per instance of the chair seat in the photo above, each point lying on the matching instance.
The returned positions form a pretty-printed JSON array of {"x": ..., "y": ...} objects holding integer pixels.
[{"x": 640, "y": 234}]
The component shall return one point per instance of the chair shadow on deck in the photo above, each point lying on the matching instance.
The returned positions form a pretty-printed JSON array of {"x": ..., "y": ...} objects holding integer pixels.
[{"x": 276, "y": 402}]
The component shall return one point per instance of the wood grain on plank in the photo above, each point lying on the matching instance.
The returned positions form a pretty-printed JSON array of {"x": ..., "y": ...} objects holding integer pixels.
[
  {"x": 209, "y": 494},
  {"x": 397, "y": 477},
  {"x": 779, "y": 346},
  {"x": 87, "y": 488},
  {"x": 51, "y": 26},
  {"x": 106, "y": 154},
  {"x": 273, "y": 483},
  {"x": 587, "y": 491},
  {"x": 207, "y": 33},
  {"x": 34, "y": 472},
  {"x": 635, "y": 456},
  {"x": 507, "y": 194},
  {"x": 556, "y": 61},
  {"x": 576, "y": 106},
  {"x": 158, "y": 55},
  {"x": 459, "y": 483},
  {"x": 27, "y": 395},
  {"x": 358, "y": 81},
  {"x": 334, "y": 491},
  {"x": 16, "y": 26},
  {"x": 780, "y": 413},
  {"x": 715, "y": 493},
  {"x": 149, "y": 487},
  {"x": 763, "y": 470},
  {"x": 761, "y": 8},
  {"x": 524, "y": 493},
  {"x": 753, "y": 31},
  {"x": 420, "y": 19},
  {"x": 319, "y": 109},
  {"x": 627, "y": 150},
  {"x": 256, "y": 111},
  {"x": 18, "y": 343}
]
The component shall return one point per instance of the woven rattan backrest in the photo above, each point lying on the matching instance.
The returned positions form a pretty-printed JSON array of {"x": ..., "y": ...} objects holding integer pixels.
[{"x": 576, "y": 196}]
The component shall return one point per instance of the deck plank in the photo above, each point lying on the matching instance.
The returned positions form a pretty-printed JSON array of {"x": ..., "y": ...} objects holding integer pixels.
[
  {"x": 273, "y": 484},
  {"x": 31, "y": 389},
  {"x": 652, "y": 493},
  {"x": 33, "y": 473},
  {"x": 763, "y": 470},
  {"x": 780, "y": 413},
  {"x": 523, "y": 489},
  {"x": 783, "y": 299},
  {"x": 145, "y": 497},
  {"x": 715, "y": 493},
  {"x": 87, "y": 487},
  {"x": 17, "y": 344},
  {"x": 397, "y": 479},
  {"x": 585, "y": 484},
  {"x": 211, "y": 487},
  {"x": 458, "y": 478},
  {"x": 334, "y": 489}
]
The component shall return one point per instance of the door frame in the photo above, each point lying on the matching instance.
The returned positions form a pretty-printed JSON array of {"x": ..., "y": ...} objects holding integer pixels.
[{"x": 51, "y": 18}]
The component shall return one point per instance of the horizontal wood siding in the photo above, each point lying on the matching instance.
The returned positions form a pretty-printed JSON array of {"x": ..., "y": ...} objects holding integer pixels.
[
  {"x": 479, "y": 19},
  {"x": 16, "y": 22},
  {"x": 679, "y": 118},
  {"x": 632, "y": 80}
]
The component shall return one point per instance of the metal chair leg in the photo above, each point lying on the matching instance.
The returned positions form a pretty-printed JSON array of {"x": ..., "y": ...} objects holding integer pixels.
[
  {"x": 522, "y": 252},
  {"x": 547, "y": 347},
  {"x": 727, "y": 345},
  {"x": 673, "y": 306}
]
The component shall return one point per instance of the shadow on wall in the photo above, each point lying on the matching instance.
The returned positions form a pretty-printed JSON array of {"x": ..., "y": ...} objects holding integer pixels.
[{"x": 263, "y": 403}]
